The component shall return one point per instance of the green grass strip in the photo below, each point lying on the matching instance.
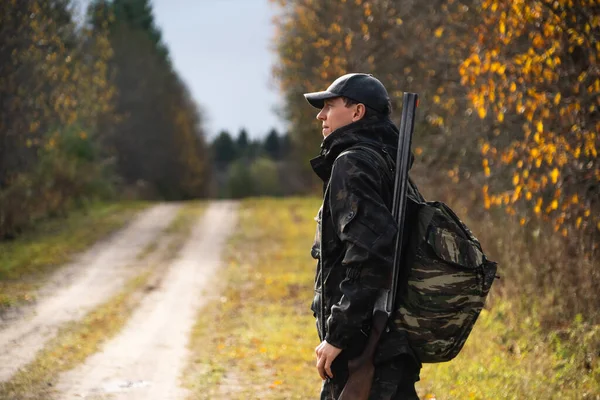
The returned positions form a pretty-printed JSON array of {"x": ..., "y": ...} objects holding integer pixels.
[{"x": 26, "y": 261}]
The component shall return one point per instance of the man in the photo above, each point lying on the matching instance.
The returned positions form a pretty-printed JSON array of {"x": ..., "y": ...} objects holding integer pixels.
[{"x": 355, "y": 236}]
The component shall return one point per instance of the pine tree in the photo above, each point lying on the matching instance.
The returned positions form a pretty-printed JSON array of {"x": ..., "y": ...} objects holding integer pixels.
[
  {"x": 224, "y": 149},
  {"x": 272, "y": 145}
]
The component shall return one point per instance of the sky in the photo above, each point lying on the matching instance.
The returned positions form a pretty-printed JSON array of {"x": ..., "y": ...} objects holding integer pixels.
[{"x": 222, "y": 49}]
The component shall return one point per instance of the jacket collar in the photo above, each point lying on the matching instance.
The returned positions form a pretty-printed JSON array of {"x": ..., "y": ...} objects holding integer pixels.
[{"x": 380, "y": 133}]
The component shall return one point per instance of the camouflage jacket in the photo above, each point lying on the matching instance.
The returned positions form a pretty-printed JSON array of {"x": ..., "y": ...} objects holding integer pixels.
[{"x": 354, "y": 243}]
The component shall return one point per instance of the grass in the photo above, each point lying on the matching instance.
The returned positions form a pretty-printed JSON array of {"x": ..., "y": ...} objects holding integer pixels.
[
  {"x": 78, "y": 340},
  {"x": 508, "y": 356},
  {"x": 26, "y": 261},
  {"x": 256, "y": 340}
]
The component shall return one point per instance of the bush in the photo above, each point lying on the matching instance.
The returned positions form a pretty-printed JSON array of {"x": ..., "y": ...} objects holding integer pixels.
[{"x": 68, "y": 172}]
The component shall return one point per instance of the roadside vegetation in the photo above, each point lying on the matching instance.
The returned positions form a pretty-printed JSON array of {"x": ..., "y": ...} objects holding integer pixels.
[
  {"x": 257, "y": 337},
  {"x": 26, "y": 261}
]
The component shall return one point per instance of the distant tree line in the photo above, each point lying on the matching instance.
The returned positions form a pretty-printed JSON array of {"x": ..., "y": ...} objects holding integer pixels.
[
  {"x": 246, "y": 167},
  {"x": 88, "y": 111}
]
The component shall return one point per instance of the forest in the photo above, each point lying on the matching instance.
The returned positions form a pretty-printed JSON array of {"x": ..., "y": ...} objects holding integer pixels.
[{"x": 92, "y": 110}]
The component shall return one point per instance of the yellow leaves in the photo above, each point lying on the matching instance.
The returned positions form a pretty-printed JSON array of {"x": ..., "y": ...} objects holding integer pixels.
[
  {"x": 538, "y": 206},
  {"x": 515, "y": 179},
  {"x": 335, "y": 28},
  {"x": 486, "y": 167},
  {"x": 348, "y": 42},
  {"x": 554, "y": 175},
  {"x": 502, "y": 28},
  {"x": 482, "y": 112},
  {"x": 399, "y": 21},
  {"x": 438, "y": 32},
  {"x": 485, "y": 148},
  {"x": 540, "y": 126},
  {"x": 367, "y": 11},
  {"x": 557, "y": 98},
  {"x": 575, "y": 199},
  {"x": 364, "y": 28},
  {"x": 500, "y": 116}
]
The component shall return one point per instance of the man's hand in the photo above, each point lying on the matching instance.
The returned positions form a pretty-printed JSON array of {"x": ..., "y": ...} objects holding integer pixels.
[{"x": 326, "y": 353}]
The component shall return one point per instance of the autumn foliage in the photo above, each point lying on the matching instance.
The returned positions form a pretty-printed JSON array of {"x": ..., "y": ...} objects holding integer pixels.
[
  {"x": 535, "y": 64},
  {"x": 508, "y": 119},
  {"x": 79, "y": 119},
  {"x": 53, "y": 90}
]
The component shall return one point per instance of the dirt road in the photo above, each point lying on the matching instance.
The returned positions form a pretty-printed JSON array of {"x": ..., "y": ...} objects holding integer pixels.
[{"x": 145, "y": 359}]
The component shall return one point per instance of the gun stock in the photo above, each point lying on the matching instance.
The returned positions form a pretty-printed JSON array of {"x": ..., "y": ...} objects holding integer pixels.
[{"x": 362, "y": 369}]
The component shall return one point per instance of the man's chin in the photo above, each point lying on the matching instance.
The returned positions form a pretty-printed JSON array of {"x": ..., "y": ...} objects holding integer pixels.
[{"x": 326, "y": 132}]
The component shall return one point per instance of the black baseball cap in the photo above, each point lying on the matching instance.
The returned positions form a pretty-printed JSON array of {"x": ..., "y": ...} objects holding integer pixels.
[{"x": 363, "y": 88}]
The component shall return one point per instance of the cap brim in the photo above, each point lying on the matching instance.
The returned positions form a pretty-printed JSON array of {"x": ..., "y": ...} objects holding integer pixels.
[{"x": 317, "y": 99}]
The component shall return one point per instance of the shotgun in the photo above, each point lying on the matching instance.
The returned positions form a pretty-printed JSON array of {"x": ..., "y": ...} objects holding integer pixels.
[{"x": 361, "y": 369}]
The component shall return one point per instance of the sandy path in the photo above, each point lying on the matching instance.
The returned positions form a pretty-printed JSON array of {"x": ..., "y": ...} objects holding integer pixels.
[
  {"x": 146, "y": 359},
  {"x": 76, "y": 289}
]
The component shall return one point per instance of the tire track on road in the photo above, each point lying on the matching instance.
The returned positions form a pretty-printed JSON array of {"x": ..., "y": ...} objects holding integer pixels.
[
  {"x": 93, "y": 278},
  {"x": 146, "y": 359}
]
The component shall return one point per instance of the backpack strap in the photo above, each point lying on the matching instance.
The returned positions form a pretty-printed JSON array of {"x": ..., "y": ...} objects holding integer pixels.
[
  {"x": 388, "y": 165},
  {"x": 383, "y": 164}
]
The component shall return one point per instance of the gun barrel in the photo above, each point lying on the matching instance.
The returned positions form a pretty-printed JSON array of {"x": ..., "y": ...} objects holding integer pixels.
[{"x": 409, "y": 105}]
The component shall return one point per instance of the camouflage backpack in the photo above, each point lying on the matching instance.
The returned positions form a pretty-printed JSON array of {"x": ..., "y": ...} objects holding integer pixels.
[{"x": 446, "y": 278}]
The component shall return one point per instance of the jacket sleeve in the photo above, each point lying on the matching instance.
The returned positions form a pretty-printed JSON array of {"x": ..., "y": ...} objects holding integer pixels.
[{"x": 367, "y": 230}]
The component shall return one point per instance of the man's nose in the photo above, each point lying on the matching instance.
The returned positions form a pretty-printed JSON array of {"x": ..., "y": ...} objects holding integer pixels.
[{"x": 321, "y": 115}]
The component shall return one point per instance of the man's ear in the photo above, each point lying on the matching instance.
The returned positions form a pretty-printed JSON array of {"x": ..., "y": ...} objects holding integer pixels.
[{"x": 359, "y": 112}]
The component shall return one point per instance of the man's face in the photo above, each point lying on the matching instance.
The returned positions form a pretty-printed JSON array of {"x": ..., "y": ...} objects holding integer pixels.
[{"x": 335, "y": 114}]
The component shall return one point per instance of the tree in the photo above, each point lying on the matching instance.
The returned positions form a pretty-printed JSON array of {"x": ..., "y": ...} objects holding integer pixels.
[
  {"x": 54, "y": 90},
  {"x": 158, "y": 137},
  {"x": 508, "y": 115},
  {"x": 534, "y": 67},
  {"x": 224, "y": 149},
  {"x": 242, "y": 142},
  {"x": 272, "y": 145},
  {"x": 414, "y": 47}
]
